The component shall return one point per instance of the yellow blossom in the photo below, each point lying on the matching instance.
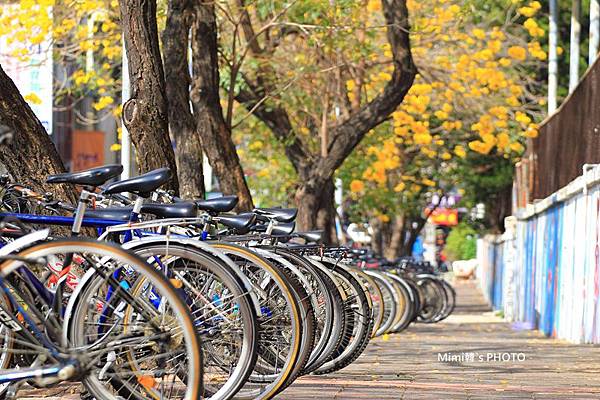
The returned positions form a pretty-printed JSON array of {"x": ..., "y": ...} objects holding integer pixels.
[
  {"x": 428, "y": 182},
  {"x": 115, "y": 147},
  {"x": 517, "y": 52},
  {"x": 357, "y": 186},
  {"x": 460, "y": 151},
  {"x": 478, "y": 33},
  {"x": 517, "y": 147},
  {"x": 256, "y": 145},
  {"x": 399, "y": 187},
  {"x": 527, "y": 11},
  {"x": 33, "y": 98},
  {"x": 103, "y": 102}
]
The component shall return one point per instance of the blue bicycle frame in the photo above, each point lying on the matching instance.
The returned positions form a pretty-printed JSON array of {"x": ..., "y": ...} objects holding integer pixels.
[{"x": 100, "y": 225}]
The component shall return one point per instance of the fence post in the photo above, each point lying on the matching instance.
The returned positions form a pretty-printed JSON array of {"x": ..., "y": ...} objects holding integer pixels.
[
  {"x": 575, "y": 41},
  {"x": 594, "y": 30},
  {"x": 553, "y": 57}
]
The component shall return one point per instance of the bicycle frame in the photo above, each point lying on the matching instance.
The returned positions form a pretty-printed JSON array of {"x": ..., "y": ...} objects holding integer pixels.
[{"x": 139, "y": 231}]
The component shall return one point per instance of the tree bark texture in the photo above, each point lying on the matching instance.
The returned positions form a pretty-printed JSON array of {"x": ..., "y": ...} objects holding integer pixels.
[
  {"x": 30, "y": 156},
  {"x": 377, "y": 239},
  {"x": 215, "y": 134},
  {"x": 320, "y": 204},
  {"x": 145, "y": 115},
  {"x": 392, "y": 251},
  {"x": 499, "y": 208},
  {"x": 188, "y": 148}
]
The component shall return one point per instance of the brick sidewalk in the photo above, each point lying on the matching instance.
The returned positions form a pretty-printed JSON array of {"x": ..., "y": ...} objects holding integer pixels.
[{"x": 406, "y": 366}]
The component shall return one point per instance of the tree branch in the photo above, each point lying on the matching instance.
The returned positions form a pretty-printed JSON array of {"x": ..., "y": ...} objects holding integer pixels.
[
  {"x": 277, "y": 119},
  {"x": 347, "y": 135}
]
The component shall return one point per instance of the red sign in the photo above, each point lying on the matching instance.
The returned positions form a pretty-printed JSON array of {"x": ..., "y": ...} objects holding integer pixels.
[
  {"x": 87, "y": 150},
  {"x": 444, "y": 217}
]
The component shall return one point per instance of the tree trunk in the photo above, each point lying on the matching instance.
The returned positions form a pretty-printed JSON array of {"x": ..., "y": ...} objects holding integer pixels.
[
  {"x": 410, "y": 242},
  {"x": 393, "y": 250},
  {"x": 145, "y": 115},
  {"x": 402, "y": 247},
  {"x": 413, "y": 232},
  {"x": 308, "y": 201},
  {"x": 30, "y": 156},
  {"x": 188, "y": 149},
  {"x": 378, "y": 238},
  {"x": 316, "y": 209},
  {"x": 215, "y": 134},
  {"x": 500, "y": 209},
  {"x": 326, "y": 213}
]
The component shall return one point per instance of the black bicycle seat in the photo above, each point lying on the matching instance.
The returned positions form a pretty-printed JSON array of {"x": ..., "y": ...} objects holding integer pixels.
[
  {"x": 278, "y": 230},
  {"x": 241, "y": 223},
  {"x": 278, "y": 214},
  {"x": 284, "y": 229},
  {"x": 176, "y": 210},
  {"x": 92, "y": 177},
  {"x": 142, "y": 185},
  {"x": 218, "y": 204},
  {"x": 115, "y": 214},
  {"x": 311, "y": 236}
]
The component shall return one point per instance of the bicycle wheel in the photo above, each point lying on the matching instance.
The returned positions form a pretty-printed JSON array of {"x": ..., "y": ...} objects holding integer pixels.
[
  {"x": 149, "y": 343},
  {"x": 418, "y": 297},
  {"x": 303, "y": 290},
  {"x": 337, "y": 319},
  {"x": 376, "y": 296},
  {"x": 359, "y": 321},
  {"x": 451, "y": 295},
  {"x": 328, "y": 304},
  {"x": 390, "y": 298},
  {"x": 222, "y": 309},
  {"x": 435, "y": 299},
  {"x": 9, "y": 351},
  {"x": 280, "y": 323},
  {"x": 406, "y": 312}
]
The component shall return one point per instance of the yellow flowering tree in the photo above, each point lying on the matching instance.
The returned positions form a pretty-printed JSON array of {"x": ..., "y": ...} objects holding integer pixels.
[
  {"x": 476, "y": 95},
  {"x": 83, "y": 38},
  {"x": 471, "y": 110}
]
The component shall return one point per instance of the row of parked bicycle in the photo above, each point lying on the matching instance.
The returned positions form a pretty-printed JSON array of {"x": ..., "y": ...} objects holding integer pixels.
[{"x": 182, "y": 299}]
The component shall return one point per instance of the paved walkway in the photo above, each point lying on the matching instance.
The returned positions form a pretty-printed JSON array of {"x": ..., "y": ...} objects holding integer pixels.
[{"x": 408, "y": 365}]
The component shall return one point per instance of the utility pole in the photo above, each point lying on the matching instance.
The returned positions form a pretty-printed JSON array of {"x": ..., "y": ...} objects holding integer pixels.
[
  {"x": 553, "y": 57},
  {"x": 125, "y": 139},
  {"x": 594, "y": 30},
  {"x": 575, "y": 42}
]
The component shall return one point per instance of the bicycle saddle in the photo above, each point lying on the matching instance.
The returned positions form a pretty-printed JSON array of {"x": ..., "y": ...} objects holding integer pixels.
[
  {"x": 241, "y": 222},
  {"x": 278, "y": 214},
  {"x": 115, "y": 214},
  {"x": 284, "y": 229},
  {"x": 311, "y": 236},
  {"x": 218, "y": 204},
  {"x": 142, "y": 185},
  {"x": 91, "y": 177},
  {"x": 176, "y": 210},
  {"x": 278, "y": 230}
]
